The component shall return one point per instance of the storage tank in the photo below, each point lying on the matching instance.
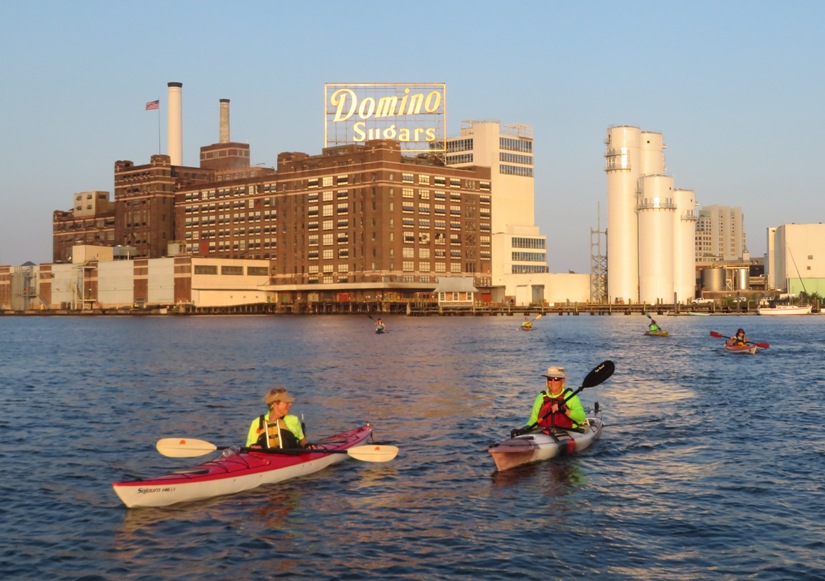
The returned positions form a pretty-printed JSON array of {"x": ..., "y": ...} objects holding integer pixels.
[
  {"x": 656, "y": 211},
  {"x": 741, "y": 279},
  {"x": 652, "y": 157},
  {"x": 622, "y": 167},
  {"x": 713, "y": 279},
  {"x": 684, "y": 244}
]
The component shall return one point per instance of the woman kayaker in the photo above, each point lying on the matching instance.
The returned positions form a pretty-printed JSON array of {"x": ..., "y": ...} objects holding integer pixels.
[
  {"x": 277, "y": 428},
  {"x": 552, "y": 408},
  {"x": 739, "y": 338}
]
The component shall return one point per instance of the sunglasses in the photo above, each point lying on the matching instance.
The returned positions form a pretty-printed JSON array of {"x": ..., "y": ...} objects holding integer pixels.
[{"x": 555, "y": 379}]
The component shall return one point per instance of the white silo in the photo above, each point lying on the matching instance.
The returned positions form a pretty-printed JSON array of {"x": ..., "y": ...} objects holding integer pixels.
[
  {"x": 652, "y": 157},
  {"x": 656, "y": 210},
  {"x": 684, "y": 245},
  {"x": 622, "y": 166}
]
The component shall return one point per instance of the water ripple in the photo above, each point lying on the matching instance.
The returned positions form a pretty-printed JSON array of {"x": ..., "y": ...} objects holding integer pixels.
[{"x": 709, "y": 465}]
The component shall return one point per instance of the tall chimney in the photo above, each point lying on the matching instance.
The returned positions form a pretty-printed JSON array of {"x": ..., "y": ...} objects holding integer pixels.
[
  {"x": 175, "y": 124},
  {"x": 224, "y": 134}
]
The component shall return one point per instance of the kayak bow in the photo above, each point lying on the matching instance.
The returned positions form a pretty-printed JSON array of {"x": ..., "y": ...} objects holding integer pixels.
[{"x": 538, "y": 446}]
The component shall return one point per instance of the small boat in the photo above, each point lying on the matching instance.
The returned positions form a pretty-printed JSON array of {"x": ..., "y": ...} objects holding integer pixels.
[
  {"x": 746, "y": 349},
  {"x": 543, "y": 445},
  {"x": 235, "y": 472},
  {"x": 784, "y": 310},
  {"x": 657, "y": 333},
  {"x": 527, "y": 327}
]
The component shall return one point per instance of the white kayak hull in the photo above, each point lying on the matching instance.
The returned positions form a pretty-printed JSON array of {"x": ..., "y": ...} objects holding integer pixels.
[{"x": 538, "y": 446}]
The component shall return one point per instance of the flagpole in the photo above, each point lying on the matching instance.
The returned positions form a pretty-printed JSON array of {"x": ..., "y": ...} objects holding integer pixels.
[{"x": 159, "y": 151}]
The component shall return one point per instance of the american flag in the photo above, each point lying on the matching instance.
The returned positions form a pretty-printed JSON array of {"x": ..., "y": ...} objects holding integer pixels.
[{"x": 153, "y": 105}]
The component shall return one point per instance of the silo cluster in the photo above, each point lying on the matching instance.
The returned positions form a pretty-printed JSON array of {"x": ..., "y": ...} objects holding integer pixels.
[{"x": 650, "y": 223}]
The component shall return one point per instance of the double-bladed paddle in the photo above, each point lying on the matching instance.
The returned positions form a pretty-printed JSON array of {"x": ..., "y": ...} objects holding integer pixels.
[
  {"x": 652, "y": 320},
  {"x": 760, "y": 344},
  {"x": 598, "y": 375},
  {"x": 530, "y": 322},
  {"x": 191, "y": 447}
]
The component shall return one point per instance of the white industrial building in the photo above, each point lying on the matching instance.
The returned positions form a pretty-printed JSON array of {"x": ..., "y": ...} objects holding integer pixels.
[
  {"x": 795, "y": 259},
  {"x": 519, "y": 250},
  {"x": 651, "y": 224}
]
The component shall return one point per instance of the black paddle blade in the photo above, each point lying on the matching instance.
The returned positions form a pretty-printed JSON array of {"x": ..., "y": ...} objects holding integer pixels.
[{"x": 601, "y": 372}]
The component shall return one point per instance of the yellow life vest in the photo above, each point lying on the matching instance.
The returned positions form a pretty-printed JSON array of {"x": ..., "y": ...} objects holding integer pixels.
[{"x": 275, "y": 434}]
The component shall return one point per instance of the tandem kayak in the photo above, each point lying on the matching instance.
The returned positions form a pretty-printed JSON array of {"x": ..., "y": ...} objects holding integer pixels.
[
  {"x": 657, "y": 333},
  {"x": 538, "y": 446},
  {"x": 236, "y": 471},
  {"x": 746, "y": 349}
]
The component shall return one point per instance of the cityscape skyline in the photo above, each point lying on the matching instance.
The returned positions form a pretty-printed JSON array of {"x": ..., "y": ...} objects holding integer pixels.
[{"x": 733, "y": 97}]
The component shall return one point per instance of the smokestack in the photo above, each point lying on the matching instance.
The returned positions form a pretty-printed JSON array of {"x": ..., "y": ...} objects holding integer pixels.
[
  {"x": 224, "y": 134},
  {"x": 175, "y": 124}
]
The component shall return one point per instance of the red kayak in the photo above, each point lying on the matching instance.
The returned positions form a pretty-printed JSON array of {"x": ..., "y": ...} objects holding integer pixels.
[
  {"x": 236, "y": 471},
  {"x": 741, "y": 348}
]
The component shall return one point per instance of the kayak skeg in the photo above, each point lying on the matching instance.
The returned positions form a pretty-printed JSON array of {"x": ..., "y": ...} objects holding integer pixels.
[
  {"x": 236, "y": 471},
  {"x": 543, "y": 445}
]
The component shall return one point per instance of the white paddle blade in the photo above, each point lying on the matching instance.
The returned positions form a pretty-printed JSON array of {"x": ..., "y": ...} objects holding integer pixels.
[
  {"x": 373, "y": 453},
  {"x": 184, "y": 447}
]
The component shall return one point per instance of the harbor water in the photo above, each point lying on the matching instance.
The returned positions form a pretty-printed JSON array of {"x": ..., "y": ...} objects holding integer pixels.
[{"x": 710, "y": 465}]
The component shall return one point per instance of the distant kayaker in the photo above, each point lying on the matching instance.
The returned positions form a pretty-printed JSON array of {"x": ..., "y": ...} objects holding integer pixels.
[
  {"x": 653, "y": 327},
  {"x": 277, "y": 428},
  {"x": 550, "y": 410},
  {"x": 379, "y": 325},
  {"x": 739, "y": 338},
  {"x": 527, "y": 324}
]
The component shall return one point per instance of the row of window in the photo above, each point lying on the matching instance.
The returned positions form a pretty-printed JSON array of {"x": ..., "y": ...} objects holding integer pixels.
[
  {"x": 513, "y": 170},
  {"x": 528, "y": 269},
  {"x": 515, "y": 158},
  {"x": 231, "y": 270},
  {"x": 519, "y": 145},
  {"x": 528, "y": 256},
  {"x": 519, "y": 242},
  {"x": 459, "y": 158}
]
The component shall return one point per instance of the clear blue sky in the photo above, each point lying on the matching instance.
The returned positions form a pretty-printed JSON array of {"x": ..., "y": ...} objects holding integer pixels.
[{"x": 737, "y": 88}]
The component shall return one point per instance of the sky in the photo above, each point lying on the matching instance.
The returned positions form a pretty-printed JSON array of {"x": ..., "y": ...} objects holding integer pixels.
[{"x": 737, "y": 89}]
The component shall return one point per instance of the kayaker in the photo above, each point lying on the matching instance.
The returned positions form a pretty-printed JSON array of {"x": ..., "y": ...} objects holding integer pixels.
[
  {"x": 653, "y": 327},
  {"x": 551, "y": 408},
  {"x": 527, "y": 324},
  {"x": 277, "y": 428},
  {"x": 739, "y": 338},
  {"x": 379, "y": 325}
]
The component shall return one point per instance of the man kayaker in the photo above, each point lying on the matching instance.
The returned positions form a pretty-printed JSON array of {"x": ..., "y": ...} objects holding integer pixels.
[
  {"x": 653, "y": 327},
  {"x": 552, "y": 408},
  {"x": 739, "y": 338},
  {"x": 277, "y": 428},
  {"x": 527, "y": 324}
]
